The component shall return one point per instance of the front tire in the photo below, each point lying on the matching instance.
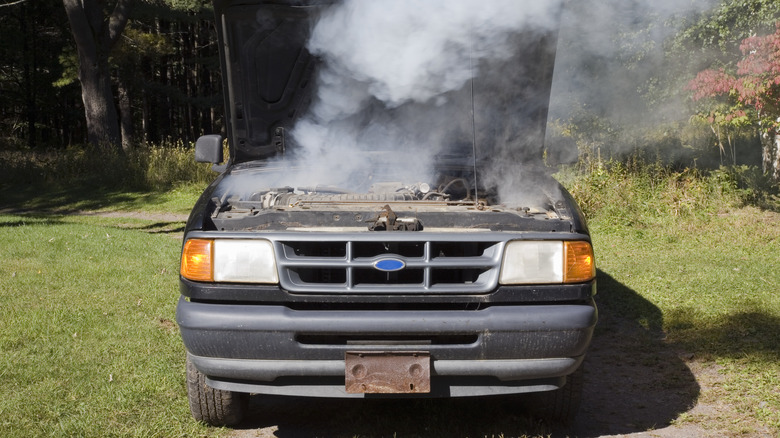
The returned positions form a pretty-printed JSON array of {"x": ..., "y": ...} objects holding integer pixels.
[
  {"x": 214, "y": 407},
  {"x": 561, "y": 406}
]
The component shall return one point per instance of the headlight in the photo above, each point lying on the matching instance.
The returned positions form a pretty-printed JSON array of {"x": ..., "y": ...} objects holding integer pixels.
[
  {"x": 229, "y": 260},
  {"x": 539, "y": 262},
  {"x": 579, "y": 264},
  {"x": 197, "y": 260}
]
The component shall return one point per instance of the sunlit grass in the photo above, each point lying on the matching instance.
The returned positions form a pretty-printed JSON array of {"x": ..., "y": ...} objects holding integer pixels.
[
  {"x": 714, "y": 276},
  {"x": 89, "y": 346}
]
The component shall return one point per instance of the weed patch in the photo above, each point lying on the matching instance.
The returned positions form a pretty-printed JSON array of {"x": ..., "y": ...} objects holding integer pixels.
[
  {"x": 640, "y": 194},
  {"x": 157, "y": 168}
]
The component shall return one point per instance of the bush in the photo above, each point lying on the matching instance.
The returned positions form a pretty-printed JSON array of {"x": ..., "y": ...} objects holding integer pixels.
[
  {"x": 636, "y": 193},
  {"x": 155, "y": 167},
  {"x": 751, "y": 185}
]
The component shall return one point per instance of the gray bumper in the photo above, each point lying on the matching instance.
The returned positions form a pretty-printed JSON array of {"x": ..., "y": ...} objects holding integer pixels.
[
  {"x": 253, "y": 348},
  {"x": 493, "y": 377}
]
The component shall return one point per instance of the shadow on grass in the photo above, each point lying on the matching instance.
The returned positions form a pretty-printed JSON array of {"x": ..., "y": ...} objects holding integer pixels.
[
  {"x": 165, "y": 227},
  {"x": 293, "y": 417},
  {"x": 71, "y": 198},
  {"x": 745, "y": 333},
  {"x": 22, "y": 217},
  {"x": 30, "y": 219},
  {"x": 634, "y": 381}
]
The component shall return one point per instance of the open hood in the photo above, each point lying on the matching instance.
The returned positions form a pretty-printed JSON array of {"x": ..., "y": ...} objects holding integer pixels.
[
  {"x": 266, "y": 69},
  {"x": 273, "y": 77}
]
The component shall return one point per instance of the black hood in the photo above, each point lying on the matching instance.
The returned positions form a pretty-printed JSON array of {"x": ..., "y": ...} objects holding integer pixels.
[
  {"x": 270, "y": 81},
  {"x": 266, "y": 69}
]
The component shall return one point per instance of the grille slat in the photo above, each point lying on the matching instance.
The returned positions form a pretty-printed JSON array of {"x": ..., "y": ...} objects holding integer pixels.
[{"x": 334, "y": 267}]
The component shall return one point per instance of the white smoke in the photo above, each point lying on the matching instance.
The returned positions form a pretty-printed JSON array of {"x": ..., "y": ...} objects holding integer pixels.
[
  {"x": 407, "y": 50},
  {"x": 395, "y": 77},
  {"x": 610, "y": 52}
]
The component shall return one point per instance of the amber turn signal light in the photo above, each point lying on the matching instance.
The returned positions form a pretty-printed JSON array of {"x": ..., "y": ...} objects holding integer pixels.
[
  {"x": 197, "y": 260},
  {"x": 579, "y": 262}
]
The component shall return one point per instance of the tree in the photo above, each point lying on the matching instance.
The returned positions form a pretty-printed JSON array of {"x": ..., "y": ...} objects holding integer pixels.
[
  {"x": 169, "y": 65},
  {"x": 32, "y": 112},
  {"x": 751, "y": 95},
  {"x": 96, "y": 31},
  {"x": 717, "y": 31}
]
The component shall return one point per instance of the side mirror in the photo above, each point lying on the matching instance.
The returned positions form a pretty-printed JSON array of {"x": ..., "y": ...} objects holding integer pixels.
[{"x": 208, "y": 149}]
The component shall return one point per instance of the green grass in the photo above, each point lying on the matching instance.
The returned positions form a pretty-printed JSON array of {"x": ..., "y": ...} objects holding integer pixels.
[
  {"x": 178, "y": 199},
  {"x": 704, "y": 268},
  {"x": 89, "y": 346}
]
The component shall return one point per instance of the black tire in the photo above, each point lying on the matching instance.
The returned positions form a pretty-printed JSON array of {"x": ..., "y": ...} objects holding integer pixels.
[
  {"x": 214, "y": 407},
  {"x": 560, "y": 407}
]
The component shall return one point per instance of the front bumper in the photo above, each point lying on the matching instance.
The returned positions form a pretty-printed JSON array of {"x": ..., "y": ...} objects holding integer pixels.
[{"x": 274, "y": 349}]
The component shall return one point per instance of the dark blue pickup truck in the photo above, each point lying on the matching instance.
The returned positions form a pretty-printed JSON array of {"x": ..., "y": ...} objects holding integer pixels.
[{"x": 382, "y": 230}]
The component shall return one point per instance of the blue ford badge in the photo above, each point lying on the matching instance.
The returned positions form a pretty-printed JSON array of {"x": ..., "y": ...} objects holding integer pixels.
[{"x": 389, "y": 265}]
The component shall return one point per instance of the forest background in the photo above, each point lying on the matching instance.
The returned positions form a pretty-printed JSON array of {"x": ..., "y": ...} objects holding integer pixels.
[
  {"x": 692, "y": 86},
  {"x": 688, "y": 87}
]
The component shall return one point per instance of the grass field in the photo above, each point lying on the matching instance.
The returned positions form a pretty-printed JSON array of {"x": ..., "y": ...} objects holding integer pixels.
[
  {"x": 712, "y": 286},
  {"x": 89, "y": 346},
  {"x": 701, "y": 259}
]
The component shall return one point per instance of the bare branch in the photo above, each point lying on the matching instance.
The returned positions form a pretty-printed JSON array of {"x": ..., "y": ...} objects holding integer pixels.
[{"x": 12, "y": 3}]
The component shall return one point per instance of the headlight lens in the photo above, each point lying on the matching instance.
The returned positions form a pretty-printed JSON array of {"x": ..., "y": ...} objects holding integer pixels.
[
  {"x": 540, "y": 262},
  {"x": 532, "y": 262},
  {"x": 229, "y": 260},
  {"x": 196, "y": 260},
  {"x": 580, "y": 265}
]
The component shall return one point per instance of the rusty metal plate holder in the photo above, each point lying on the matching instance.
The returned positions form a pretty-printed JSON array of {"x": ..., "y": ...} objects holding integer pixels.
[{"x": 387, "y": 372}]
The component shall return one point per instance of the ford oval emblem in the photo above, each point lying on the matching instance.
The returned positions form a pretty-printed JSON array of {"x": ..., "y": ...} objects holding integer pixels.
[{"x": 389, "y": 265}]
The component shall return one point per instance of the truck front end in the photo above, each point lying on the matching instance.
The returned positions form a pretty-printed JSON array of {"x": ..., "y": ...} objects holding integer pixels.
[{"x": 403, "y": 248}]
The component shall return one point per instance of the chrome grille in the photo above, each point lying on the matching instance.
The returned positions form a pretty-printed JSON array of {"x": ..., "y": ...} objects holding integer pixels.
[{"x": 347, "y": 266}]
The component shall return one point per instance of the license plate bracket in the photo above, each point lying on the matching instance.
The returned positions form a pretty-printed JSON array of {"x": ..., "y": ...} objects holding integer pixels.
[{"x": 387, "y": 372}]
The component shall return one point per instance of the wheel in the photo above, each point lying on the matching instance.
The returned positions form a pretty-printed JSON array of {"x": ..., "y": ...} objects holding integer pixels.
[
  {"x": 561, "y": 406},
  {"x": 214, "y": 407}
]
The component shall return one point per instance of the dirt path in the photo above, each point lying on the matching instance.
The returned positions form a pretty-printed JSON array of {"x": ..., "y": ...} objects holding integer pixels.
[
  {"x": 171, "y": 224},
  {"x": 161, "y": 217}
]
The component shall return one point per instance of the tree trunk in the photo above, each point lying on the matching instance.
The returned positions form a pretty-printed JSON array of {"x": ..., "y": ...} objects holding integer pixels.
[
  {"x": 102, "y": 120},
  {"x": 145, "y": 122},
  {"x": 29, "y": 69},
  {"x": 126, "y": 116},
  {"x": 776, "y": 160},
  {"x": 95, "y": 35},
  {"x": 770, "y": 154},
  {"x": 767, "y": 143}
]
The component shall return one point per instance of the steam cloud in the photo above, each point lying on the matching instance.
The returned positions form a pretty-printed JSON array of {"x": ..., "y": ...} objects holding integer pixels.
[
  {"x": 414, "y": 51},
  {"x": 396, "y": 77},
  {"x": 610, "y": 51}
]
